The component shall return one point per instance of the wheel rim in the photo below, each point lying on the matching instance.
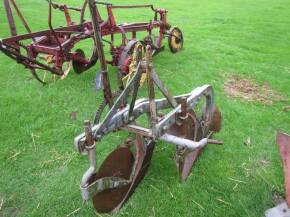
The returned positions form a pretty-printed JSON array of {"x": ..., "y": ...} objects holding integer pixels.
[
  {"x": 46, "y": 77},
  {"x": 175, "y": 40}
]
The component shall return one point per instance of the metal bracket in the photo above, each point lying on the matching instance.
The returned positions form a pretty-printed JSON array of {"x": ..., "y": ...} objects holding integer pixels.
[{"x": 102, "y": 184}]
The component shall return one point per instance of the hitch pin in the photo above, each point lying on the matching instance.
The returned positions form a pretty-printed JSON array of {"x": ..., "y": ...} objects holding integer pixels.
[{"x": 215, "y": 142}]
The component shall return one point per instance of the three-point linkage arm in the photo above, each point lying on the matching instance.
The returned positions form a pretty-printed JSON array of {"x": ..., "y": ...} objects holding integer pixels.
[{"x": 98, "y": 43}]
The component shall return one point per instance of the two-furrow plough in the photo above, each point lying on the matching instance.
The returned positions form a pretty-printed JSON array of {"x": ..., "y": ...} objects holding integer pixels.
[{"x": 172, "y": 119}]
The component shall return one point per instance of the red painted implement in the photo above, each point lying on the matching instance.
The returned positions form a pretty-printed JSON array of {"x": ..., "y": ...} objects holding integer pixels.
[{"x": 52, "y": 50}]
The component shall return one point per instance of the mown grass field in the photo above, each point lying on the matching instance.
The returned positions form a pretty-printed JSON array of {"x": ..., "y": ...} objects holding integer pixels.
[{"x": 40, "y": 172}]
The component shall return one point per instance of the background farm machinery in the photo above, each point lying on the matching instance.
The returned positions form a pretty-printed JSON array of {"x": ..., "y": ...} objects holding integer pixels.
[
  {"x": 187, "y": 121},
  {"x": 53, "y": 50}
]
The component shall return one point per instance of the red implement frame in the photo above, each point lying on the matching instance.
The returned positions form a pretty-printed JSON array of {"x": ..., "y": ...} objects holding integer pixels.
[{"x": 58, "y": 43}]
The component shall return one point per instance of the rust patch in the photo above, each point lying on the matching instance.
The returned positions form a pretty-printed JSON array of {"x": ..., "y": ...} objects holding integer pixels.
[{"x": 248, "y": 90}]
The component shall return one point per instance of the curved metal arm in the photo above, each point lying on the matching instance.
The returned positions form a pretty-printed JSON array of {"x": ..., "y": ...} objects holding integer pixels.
[
  {"x": 61, "y": 7},
  {"x": 50, "y": 26},
  {"x": 82, "y": 19}
]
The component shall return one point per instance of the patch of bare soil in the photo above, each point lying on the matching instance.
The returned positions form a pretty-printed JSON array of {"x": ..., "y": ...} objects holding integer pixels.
[
  {"x": 7, "y": 208},
  {"x": 246, "y": 89}
]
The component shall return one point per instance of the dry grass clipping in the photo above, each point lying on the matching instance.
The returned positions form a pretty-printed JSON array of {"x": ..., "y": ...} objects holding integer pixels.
[{"x": 248, "y": 90}]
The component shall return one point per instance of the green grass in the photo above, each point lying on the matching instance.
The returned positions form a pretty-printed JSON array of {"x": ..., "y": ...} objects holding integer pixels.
[{"x": 222, "y": 38}]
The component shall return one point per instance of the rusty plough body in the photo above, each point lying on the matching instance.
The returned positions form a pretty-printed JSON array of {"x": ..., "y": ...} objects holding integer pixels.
[
  {"x": 52, "y": 50},
  {"x": 116, "y": 178},
  {"x": 172, "y": 119}
]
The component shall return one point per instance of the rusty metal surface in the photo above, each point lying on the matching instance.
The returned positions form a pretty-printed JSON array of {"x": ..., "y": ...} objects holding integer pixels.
[
  {"x": 216, "y": 122},
  {"x": 151, "y": 92},
  {"x": 80, "y": 66},
  {"x": 119, "y": 163},
  {"x": 184, "y": 157},
  {"x": 142, "y": 163},
  {"x": 191, "y": 128},
  {"x": 122, "y": 163},
  {"x": 283, "y": 141},
  {"x": 89, "y": 134}
]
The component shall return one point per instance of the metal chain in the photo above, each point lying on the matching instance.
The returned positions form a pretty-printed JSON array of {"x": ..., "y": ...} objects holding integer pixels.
[{"x": 103, "y": 105}]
